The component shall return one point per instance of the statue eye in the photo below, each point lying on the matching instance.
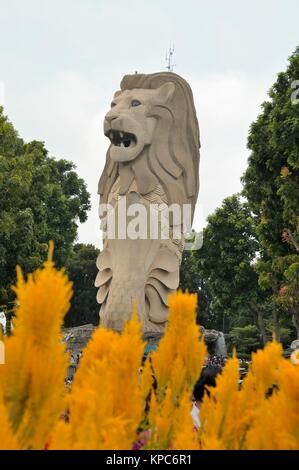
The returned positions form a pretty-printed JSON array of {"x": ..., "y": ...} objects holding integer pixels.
[
  {"x": 113, "y": 104},
  {"x": 135, "y": 103}
]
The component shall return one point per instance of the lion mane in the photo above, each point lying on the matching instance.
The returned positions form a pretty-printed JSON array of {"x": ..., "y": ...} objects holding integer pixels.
[{"x": 172, "y": 160}]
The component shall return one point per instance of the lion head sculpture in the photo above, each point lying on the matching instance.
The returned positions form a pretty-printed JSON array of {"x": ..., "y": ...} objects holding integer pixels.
[{"x": 154, "y": 136}]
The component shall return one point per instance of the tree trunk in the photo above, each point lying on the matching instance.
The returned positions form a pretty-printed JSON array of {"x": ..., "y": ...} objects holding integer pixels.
[
  {"x": 295, "y": 319},
  {"x": 8, "y": 329},
  {"x": 276, "y": 324},
  {"x": 258, "y": 314},
  {"x": 261, "y": 327}
]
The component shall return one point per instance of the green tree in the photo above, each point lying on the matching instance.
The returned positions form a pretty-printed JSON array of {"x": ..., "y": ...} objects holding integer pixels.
[
  {"x": 245, "y": 339},
  {"x": 226, "y": 264},
  {"x": 191, "y": 280},
  {"x": 42, "y": 199},
  {"x": 271, "y": 185},
  {"x": 81, "y": 269}
]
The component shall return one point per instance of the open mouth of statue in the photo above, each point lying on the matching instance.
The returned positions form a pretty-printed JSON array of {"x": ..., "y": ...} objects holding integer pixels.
[{"x": 122, "y": 139}]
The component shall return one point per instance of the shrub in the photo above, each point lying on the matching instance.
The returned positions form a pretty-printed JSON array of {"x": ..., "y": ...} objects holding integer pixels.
[{"x": 245, "y": 339}]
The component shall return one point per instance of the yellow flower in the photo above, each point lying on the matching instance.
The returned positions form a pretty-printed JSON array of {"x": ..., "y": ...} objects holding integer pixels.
[
  {"x": 106, "y": 404},
  {"x": 220, "y": 411},
  {"x": 107, "y": 400},
  {"x": 32, "y": 381},
  {"x": 276, "y": 421},
  {"x": 185, "y": 436},
  {"x": 178, "y": 361},
  {"x": 7, "y": 438},
  {"x": 176, "y": 366}
]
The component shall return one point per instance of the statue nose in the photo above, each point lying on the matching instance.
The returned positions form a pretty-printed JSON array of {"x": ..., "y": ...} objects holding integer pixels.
[{"x": 110, "y": 117}]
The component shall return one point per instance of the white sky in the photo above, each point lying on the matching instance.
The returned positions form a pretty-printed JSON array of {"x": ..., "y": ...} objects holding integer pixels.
[{"x": 61, "y": 61}]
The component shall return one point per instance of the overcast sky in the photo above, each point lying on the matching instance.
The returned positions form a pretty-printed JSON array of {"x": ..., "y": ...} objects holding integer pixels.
[{"x": 61, "y": 61}]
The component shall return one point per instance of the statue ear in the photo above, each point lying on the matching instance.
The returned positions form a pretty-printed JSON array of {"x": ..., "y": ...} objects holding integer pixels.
[
  {"x": 117, "y": 93},
  {"x": 165, "y": 92}
]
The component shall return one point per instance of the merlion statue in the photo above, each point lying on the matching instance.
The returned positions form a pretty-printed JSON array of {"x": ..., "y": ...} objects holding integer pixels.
[{"x": 151, "y": 163}]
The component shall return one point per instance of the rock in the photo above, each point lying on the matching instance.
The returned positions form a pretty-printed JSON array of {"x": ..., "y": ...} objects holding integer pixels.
[
  {"x": 77, "y": 337},
  {"x": 294, "y": 345},
  {"x": 215, "y": 342},
  {"x": 210, "y": 336}
]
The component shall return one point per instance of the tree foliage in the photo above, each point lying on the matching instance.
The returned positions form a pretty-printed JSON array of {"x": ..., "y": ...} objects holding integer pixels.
[
  {"x": 227, "y": 263},
  {"x": 271, "y": 185},
  {"x": 81, "y": 269},
  {"x": 191, "y": 280},
  {"x": 247, "y": 270},
  {"x": 245, "y": 339},
  {"x": 42, "y": 199}
]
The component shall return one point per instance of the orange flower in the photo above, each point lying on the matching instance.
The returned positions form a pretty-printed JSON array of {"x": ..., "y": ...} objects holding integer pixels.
[{"x": 32, "y": 381}]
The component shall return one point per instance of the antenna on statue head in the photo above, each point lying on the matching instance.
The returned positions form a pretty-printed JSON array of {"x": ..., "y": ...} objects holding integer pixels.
[{"x": 169, "y": 59}]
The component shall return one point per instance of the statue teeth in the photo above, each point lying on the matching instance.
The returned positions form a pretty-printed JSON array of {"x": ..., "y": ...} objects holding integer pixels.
[
  {"x": 121, "y": 135},
  {"x": 122, "y": 144}
]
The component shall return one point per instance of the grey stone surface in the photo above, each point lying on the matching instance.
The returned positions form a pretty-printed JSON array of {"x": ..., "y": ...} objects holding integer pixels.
[
  {"x": 294, "y": 345},
  {"x": 215, "y": 342},
  {"x": 76, "y": 338}
]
